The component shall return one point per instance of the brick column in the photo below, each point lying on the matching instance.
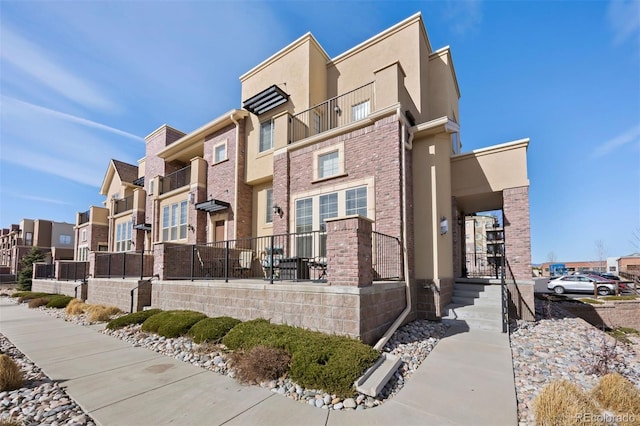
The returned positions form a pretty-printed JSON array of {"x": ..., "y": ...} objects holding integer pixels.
[
  {"x": 349, "y": 251},
  {"x": 158, "y": 260},
  {"x": 196, "y": 234},
  {"x": 517, "y": 232}
]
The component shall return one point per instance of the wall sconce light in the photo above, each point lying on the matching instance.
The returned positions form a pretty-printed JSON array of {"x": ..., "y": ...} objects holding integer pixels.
[
  {"x": 277, "y": 210},
  {"x": 444, "y": 225},
  {"x": 191, "y": 198},
  {"x": 337, "y": 110},
  {"x": 190, "y": 227}
]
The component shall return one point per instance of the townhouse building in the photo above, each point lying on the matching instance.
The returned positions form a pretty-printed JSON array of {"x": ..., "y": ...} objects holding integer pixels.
[{"x": 334, "y": 199}]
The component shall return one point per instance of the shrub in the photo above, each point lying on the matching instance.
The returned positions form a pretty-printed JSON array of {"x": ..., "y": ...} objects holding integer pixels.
[
  {"x": 563, "y": 403},
  {"x": 616, "y": 393},
  {"x": 99, "y": 313},
  {"x": 591, "y": 301},
  {"x": 26, "y": 268},
  {"x": 59, "y": 302},
  {"x": 212, "y": 329},
  {"x": 40, "y": 301},
  {"x": 10, "y": 374},
  {"x": 260, "y": 363},
  {"x": 250, "y": 334},
  {"x": 627, "y": 297},
  {"x": 133, "y": 318},
  {"x": 24, "y": 296},
  {"x": 172, "y": 323},
  {"x": 76, "y": 307}
]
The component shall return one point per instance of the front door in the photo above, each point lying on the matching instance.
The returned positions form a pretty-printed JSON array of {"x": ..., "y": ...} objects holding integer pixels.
[{"x": 218, "y": 234}]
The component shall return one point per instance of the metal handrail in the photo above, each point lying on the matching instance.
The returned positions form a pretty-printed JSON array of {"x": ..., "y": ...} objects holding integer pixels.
[
  {"x": 122, "y": 205},
  {"x": 175, "y": 180}
]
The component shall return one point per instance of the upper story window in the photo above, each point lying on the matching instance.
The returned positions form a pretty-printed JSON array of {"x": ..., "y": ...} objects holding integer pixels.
[
  {"x": 328, "y": 164},
  {"x": 455, "y": 143},
  {"x": 266, "y": 135},
  {"x": 356, "y": 200},
  {"x": 65, "y": 239},
  {"x": 220, "y": 153},
  {"x": 28, "y": 238},
  {"x": 123, "y": 236},
  {"x": 269, "y": 206},
  {"x": 84, "y": 235},
  {"x": 174, "y": 221},
  {"x": 360, "y": 111}
]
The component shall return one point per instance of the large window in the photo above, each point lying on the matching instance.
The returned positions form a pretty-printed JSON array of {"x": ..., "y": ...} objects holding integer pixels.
[
  {"x": 65, "y": 239},
  {"x": 328, "y": 164},
  {"x": 304, "y": 223},
  {"x": 174, "y": 221},
  {"x": 220, "y": 153},
  {"x": 356, "y": 200},
  {"x": 268, "y": 218},
  {"x": 266, "y": 135},
  {"x": 123, "y": 236},
  {"x": 360, "y": 111},
  {"x": 83, "y": 254}
]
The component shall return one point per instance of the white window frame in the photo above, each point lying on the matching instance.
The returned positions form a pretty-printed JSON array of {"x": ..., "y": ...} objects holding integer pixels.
[
  {"x": 268, "y": 201},
  {"x": 122, "y": 240},
  {"x": 174, "y": 221},
  {"x": 83, "y": 235},
  {"x": 83, "y": 253},
  {"x": 360, "y": 110},
  {"x": 224, "y": 157},
  {"x": 262, "y": 144},
  {"x": 64, "y": 239},
  {"x": 319, "y": 154}
]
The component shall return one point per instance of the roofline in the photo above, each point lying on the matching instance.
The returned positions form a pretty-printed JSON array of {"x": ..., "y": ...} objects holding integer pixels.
[
  {"x": 194, "y": 137},
  {"x": 437, "y": 125},
  {"x": 520, "y": 143},
  {"x": 284, "y": 51},
  {"x": 164, "y": 126},
  {"x": 446, "y": 50},
  {"x": 110, "y": 167},
  {"x": 417, "y": 17}
]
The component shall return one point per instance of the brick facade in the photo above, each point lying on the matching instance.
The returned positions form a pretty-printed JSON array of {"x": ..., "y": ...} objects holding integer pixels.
[
  {"x": 517, "y": 233},
  {"x": 618, "y": 313},
  {"x": 349, "y": 252}
]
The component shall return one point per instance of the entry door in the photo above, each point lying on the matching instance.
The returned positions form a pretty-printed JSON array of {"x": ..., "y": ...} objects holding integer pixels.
[{"x": 219, "y": 230}]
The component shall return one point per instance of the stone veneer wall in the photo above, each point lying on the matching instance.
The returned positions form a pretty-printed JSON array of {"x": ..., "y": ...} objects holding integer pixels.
[
  {"x": 117, "y": 292},
  {"x": 522, "y": 301},
  {"x": 363, "y": 313},
  {"x": 517, "y": 232},
  {"x": 67, "y": 288}
]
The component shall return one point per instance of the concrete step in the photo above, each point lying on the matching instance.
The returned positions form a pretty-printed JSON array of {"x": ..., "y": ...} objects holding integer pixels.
[
  {"x": 477, "y": 289},
  {"x": 474, "y": 324},
  {"x": 377, "y": 376},
  {"x": 473, "y": 312},
  {"x": 466, "y": 299}
]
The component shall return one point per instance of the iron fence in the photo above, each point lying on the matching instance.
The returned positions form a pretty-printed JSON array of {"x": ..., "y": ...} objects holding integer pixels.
[
  {"x": 175, "y": 180},
  {"x": 45, "y": 271},
  {"x": 387, "y": 257},
  {"x": 72, "y": 271},
  {"x": 335, "y": 112},
  {"x": 123, "y": 205},
  {"x": 84, "y": 217},
  {"x": 130, "y": 264},
  {"x": 293, "y": 257}
]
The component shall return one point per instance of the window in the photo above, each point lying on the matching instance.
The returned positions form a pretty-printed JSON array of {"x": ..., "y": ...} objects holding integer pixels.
[
  {"x": 174, "y": 221},
  {"x": 220, "y": 153},
  {"x": 266, "y": 135},
  {"x": 304, "y": 223},
  {"x": 65, "y": 239},
  {"x": 269, "y": 206},
  {"x": 455, "y": 143},
  {"x": 328, "y": 164},
  {"x": 123, "y": 236},
  {"x": 317, "y": 123},
  {"x": 28, "y": 238},
  {"x": 83, "y": 254},
  {"x": 328, "y": 209},
  {"x": 357, "y": 201},
  {"x": 360, "y": 111},
  {"x": 83, "y": 235}
]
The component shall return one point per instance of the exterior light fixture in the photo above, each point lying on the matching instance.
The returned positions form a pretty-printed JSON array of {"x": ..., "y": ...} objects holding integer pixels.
[
  {"x": 277, "y": 210},
  {"x": 444, "y": 225}
]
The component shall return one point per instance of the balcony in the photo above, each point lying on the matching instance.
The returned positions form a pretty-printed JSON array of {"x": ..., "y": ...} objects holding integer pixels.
[
  {"x": 175, "y": 180},
  {"x": 335, "y": 112},
  {"x": 123, "y": 205},
  {"x": 84, "y": 217}
]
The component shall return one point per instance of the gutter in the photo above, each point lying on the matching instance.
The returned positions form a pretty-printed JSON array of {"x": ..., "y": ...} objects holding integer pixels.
[{"x": 407, "y": 144}]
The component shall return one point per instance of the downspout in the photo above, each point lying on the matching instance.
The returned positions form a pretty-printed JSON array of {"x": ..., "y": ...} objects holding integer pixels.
[
  {"x": 235, "y": 189},
  {"x": 406, "y": 145}
]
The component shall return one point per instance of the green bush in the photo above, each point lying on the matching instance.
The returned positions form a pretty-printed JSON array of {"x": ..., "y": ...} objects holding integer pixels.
[
  {"x": 212, "y": 329},
  {"x": 133, "y": 318},
  {"x": 28, "y": 295},
  {"x": 172, "y": 323},
  {"x": 330, "y": 363},
  {"x": 59, "y": 302}
]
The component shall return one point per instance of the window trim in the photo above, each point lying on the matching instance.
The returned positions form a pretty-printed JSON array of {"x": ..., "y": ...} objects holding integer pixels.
[
  {"x": 328, "y": 150},
  {"x": 173, "y": 229},
  {"x": 226, "y": 152},
  {"x": 271, "y": 133},
  {"x": 268, "y": 202}
]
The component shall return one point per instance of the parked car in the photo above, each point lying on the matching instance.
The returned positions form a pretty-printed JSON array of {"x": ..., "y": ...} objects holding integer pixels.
[
  {"x": 610, "y": 276},
  {"x": 582, "y": 283}
]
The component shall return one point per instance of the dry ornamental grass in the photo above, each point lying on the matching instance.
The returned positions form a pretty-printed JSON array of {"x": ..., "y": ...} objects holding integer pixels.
[
  {"x": 261, "y": 363},
  {"x": 10, "y": 375},
  {"x": 40, "y": 301},
  {"x": 101, "y": 312},
  {"x": 619, "y": 395},
  {"x": 76, "y": 307},
  {"x": 562, "y": 403}
]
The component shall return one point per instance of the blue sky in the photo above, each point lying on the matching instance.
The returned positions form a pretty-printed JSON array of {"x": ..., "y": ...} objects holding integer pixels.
[{"x": 83, "y": 82}]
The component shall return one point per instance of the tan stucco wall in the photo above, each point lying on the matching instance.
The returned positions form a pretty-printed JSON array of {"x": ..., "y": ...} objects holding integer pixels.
[
  {"x": 260, "y": 227},
  {"x": 442, "y": 90}
]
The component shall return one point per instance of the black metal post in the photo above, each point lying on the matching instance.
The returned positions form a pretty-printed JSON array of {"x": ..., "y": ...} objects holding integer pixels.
[
  {"x": 193, "y": 259},
  {"x": 124, "y": 264},
  {"x": 272, "y": 242},
  {"x": 109, "y": 265},
  {"x": 226, "y": 261},
  {"x": 141, "y": 264}
]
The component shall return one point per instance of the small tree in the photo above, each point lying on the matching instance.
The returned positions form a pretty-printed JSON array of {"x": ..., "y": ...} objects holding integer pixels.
[{"x": 26, "y": 268}]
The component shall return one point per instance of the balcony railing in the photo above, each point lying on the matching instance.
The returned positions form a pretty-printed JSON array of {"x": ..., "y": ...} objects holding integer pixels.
[
  {"x": 387, "y": 257},
  {"x": 335, "y": 112},
  {"x": 175, "y": 180},
  {"x": 123, "y": 205},
  {"x": 137, "y": 264},
  {"x": 84, "y": 217}
]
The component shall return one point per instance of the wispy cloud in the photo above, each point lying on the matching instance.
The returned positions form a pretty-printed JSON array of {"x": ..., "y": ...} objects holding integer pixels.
[
  {"x": 630, "y": 136},
  {"x": 32, "y": 61},
  {"x": 624, "y": 19},
  {"x": 37, "y": 198},
  {"x": 71, "y": 118},
  {"x": 464, "y": 15}
]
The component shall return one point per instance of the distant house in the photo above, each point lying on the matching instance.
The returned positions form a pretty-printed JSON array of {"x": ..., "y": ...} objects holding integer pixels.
[{"x": 341, "y": 180}]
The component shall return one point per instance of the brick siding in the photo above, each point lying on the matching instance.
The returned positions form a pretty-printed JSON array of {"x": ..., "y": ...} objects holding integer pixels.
[{"x": 517, "y": 233}]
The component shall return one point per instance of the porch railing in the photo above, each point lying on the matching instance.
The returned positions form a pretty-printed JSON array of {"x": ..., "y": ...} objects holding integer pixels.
[
  {"x": 132, "y": 264},
  {"x": 335, "y": 112},
  {"x": 175, "y": 180},
  {"x": 72, "y": 271},
  {"x": 387, "y": 257},
  {"x": 84, "y": 217},
  {"x": 44, "y": 271},
  {"x": 123, "y": 205}
]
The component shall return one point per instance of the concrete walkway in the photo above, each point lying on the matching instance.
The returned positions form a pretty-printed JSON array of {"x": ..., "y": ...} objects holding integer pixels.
[{"x": 467, "y": 379}]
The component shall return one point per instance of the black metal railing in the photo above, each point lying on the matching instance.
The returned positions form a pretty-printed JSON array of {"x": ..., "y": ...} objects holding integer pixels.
[
  {"x": 131, "y": 264},
  {"x": 335, "y": 112},
  {"x": 175, "y": 180},
  {"x": 293, "y": 257},
  {"x": 72, "y": 271},
  {"x": 84, "y": 217},
  {"x": 123, "y": 205},
  {"x": 387, "y": 257},
  {"x": 45, "y": 271}
]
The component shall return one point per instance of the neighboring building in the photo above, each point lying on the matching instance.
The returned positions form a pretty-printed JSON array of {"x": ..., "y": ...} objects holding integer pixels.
[
  {"x": 325, "y": 151},
  {"x": 573, "y": 267},
  {"x": 483, "y": 246},
  {"x": 629, "y": 264},
  {"x": 54, "y": 239}
]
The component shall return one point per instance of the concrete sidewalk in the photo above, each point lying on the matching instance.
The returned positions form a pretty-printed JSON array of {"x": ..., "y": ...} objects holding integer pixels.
[{"x": 467, "y": 379}]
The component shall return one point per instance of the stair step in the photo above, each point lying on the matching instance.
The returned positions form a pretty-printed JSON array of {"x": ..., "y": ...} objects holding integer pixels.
[
  {"x": 473, "y": 312},
  {"x": 474, "y": 324},
  {"x": 377, "y": 376}
]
